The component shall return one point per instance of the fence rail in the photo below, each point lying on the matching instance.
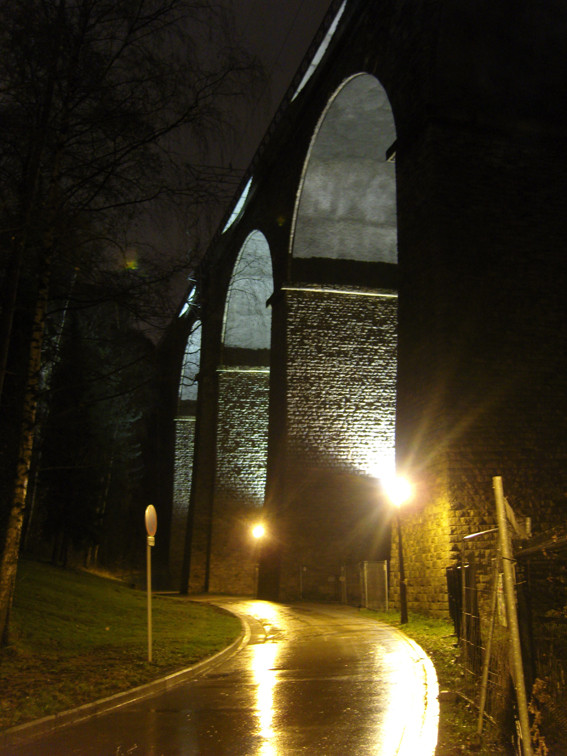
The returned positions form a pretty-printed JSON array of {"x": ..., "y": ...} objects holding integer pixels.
[{"x": 494, "y": 675}]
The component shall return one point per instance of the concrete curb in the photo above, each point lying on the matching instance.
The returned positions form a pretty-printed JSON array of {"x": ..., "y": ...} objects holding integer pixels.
[
  {"x": 429, "y": 722},
  {"x": 30, "y": 730}
]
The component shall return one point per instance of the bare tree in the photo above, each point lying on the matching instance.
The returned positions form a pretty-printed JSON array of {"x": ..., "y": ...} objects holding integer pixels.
[{"x": 103, "y": 104}]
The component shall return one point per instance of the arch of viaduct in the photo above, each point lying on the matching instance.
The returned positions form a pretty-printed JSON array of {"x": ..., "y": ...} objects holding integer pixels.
[{"x": 388, "y": 293}]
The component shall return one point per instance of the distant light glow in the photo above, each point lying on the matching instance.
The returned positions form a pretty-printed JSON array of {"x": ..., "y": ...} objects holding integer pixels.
[
  {"x": 131, "y": 259},
  {"x": 398, "y": 489},
  {"x": 320, "y": 51},
  {"x": 239, "y": 205},
  {"x": 258, "y": 531}
]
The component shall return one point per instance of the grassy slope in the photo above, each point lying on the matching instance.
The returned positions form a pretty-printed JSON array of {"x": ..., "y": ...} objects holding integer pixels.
[{"x": 77, "y": 637}]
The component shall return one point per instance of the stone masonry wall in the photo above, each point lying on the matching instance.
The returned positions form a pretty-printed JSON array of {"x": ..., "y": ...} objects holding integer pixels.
[
  {"x": 183, "y": 474},
  {"x": 342, "y": 379},
  {"x": 242, "y": 437},
  {"x": 482, "y": 370},
  {"x": 341, "y": 384},
  {"x": 427, "y": 554}
]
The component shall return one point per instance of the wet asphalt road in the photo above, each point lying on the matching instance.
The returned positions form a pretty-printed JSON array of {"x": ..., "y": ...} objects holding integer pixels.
[{"x": 312, "y": 679}]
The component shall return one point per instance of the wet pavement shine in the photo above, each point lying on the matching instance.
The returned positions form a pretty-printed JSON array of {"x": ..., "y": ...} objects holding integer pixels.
[{"x": 311, "y": 679}]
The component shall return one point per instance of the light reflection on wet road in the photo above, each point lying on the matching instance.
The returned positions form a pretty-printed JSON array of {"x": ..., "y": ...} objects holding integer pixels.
[{"x": 312, "y": 679}]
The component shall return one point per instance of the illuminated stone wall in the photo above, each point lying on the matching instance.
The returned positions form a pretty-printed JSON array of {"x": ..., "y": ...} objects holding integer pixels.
[
  {"x": 341, "y": 376},
  {"x": 340, "y": 399},
  {"x": 427, "y": 554},
  {"x": 240, "y": 479},
  {"x": 183, "y": 474}
]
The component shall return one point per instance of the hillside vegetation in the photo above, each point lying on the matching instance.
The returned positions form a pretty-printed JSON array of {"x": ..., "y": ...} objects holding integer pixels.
[{"x": 77, "y": 637}]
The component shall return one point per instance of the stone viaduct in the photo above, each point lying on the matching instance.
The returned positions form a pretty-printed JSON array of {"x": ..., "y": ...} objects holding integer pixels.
[{"x": 388, "y": 291}]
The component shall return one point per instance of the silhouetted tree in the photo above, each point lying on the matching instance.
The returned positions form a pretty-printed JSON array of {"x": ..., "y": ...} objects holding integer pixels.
[
  {"x": 98, "y": 400},
  {"x": 71, "y": 458},
  {"x": 102, "y": 103}
]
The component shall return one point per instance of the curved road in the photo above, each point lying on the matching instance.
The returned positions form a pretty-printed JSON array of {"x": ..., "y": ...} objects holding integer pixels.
[{"x": 310, "y": 678}]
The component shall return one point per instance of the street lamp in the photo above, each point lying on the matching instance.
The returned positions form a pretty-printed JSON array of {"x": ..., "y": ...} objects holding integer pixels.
[
  {"x": 399, "y": 490},
  {"x": 258, "y": 532}
]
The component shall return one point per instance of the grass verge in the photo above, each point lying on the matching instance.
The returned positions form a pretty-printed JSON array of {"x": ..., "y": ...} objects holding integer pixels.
[
  {"x": 457, "y": 718},
  {"x": 78, "y": 637}
]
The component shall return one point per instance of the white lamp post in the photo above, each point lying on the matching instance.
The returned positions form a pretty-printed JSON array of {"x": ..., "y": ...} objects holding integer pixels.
[{"x": 151, "y": 528}]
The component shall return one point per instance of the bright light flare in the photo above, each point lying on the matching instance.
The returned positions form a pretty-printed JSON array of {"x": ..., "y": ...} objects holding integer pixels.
[
  {"x": 258, "y": 531},
  {"x": 398, "y": 489},
  {"x": 263, "y": 663},
  {"x": 411, "y": 722}
]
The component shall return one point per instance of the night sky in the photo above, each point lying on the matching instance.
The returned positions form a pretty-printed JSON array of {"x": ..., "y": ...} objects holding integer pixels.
[{"x": 279, "y": 33}]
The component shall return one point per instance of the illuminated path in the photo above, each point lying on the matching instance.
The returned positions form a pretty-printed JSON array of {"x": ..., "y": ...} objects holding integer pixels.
[{"x": 312, "y": 678}]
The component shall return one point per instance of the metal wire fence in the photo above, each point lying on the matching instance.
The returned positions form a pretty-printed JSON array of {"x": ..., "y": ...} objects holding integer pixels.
[
  {"x": 542, "y": 602},
  {"x": 482, "y": 625},
  {"x": 365, "y": 584}
]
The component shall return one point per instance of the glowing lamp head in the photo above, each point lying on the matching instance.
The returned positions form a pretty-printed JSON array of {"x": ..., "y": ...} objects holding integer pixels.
[
  {"x": 399, "y": 490},
  {"x": 258, "y": 531}
]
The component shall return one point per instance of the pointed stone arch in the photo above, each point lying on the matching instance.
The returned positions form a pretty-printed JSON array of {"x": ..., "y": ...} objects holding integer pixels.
[
  {"x": 185, "y": 422},
  {"x": 340, "y": 304},
  {"x": 247, "y": 319},
  {"x": 346, "y": 204},
  {"x": 242, "y": 419},
  {"x": 187, "y": 393}
]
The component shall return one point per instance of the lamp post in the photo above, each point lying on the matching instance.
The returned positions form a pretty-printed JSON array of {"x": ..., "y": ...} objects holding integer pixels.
[
  {"x": 151, "y": 528},
  {"x": 399, "y": 491},
  {"x": 258, "y": 532}
]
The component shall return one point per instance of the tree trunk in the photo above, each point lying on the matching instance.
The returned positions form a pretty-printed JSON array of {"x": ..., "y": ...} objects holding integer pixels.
[
  {"x": 10, "y": 554},
  {"x": 9, "y": 299},
  {"x": 31, "y": 181}
]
